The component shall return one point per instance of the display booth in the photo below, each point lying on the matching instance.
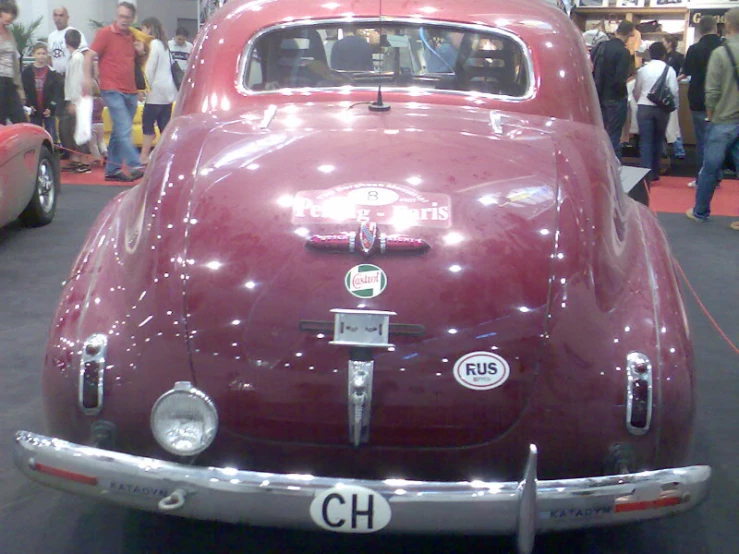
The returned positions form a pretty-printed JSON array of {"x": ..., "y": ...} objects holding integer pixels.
[{"x": 655, "y": 19}]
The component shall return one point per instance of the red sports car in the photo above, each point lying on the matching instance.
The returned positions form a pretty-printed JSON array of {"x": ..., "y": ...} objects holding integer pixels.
[
  {"x": 381, "y": 275},
  {"x": 29, "y": 175}
]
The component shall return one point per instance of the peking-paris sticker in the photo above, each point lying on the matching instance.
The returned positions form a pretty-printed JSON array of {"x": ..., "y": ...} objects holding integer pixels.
[{"x": 365, "y": 281}]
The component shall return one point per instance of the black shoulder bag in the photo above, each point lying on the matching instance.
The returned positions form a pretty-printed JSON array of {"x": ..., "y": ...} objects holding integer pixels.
[
  {"x": 661, "y": 95},
  {"x": 138, "y": 76},
  {"x": 177, "y": 73}
]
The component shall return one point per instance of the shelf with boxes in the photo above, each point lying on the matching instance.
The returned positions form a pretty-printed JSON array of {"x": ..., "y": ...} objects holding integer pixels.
[{"x": 654, "y": 23}]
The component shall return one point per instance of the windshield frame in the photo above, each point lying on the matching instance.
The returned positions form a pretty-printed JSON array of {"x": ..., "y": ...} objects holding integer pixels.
[{"x": 379, "y": 20}]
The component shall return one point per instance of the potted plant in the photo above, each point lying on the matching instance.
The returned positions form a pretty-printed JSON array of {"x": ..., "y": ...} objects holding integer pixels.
[{"x": 24, "y": 34}]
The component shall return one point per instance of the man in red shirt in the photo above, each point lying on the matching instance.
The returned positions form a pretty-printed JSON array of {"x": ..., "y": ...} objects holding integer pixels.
[{"x": 117, "y": 53}]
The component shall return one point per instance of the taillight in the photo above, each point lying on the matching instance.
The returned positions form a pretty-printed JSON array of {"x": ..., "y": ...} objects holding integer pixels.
[
  {"x": 638, "y": 393},
  {"x": 92, "y": 372}
]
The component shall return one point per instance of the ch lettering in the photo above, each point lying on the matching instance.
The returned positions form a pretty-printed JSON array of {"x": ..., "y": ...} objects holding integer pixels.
[
  {"x": 368, "y": 513},
  {"x": 357, "y": 512},
  {"x": 324, "y": 510}
]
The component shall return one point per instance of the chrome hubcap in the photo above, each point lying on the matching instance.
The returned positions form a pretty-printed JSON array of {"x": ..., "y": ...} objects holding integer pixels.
[{"x": 45, "y": 185}]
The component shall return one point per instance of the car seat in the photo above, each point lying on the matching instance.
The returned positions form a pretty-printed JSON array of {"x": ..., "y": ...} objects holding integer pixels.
[{"x": 290, "y": 53}]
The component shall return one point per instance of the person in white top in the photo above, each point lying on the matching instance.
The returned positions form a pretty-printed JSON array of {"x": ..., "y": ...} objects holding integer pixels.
[
  {"x": 73, "y": 91},
  {"x": 58, "y": 52},
  {"x": 158, "y": 106},
  {"x": 653, "y": 120},
  {"x": 180, "y": 47}
]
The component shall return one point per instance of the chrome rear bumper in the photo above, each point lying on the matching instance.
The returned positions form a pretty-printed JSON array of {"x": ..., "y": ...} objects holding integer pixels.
[{"x": 524, "y": 508}]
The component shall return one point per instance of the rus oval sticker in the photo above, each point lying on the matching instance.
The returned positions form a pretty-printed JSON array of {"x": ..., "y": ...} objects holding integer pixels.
[
  {"x": 481, "y": 371},
  {"x": 350, "y": 509},
  {"x": 365, "y": 281}
]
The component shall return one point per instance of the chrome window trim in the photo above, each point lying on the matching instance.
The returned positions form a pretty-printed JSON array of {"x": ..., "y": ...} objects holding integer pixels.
[{"x": 473, "y": 27}]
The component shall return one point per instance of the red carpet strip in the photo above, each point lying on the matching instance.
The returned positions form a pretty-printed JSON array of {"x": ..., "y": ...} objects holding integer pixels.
[{"x": 672, "y": 195}]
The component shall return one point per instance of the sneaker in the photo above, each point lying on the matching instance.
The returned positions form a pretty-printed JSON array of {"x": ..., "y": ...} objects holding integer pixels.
[
  {"x": 694, "y": 217},
  {"x": 118, "y": 176},
  {"x": 734, "y": 225},
  {"x": 83, "y": 168},
  {"x": 136, "y": 173},
  {"x": 693, "y": 184},
  {"x": 71, "y": 166}
]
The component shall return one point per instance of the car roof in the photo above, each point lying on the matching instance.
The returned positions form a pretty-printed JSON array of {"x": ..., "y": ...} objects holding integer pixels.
[
  {"x": 495, "y": 13},
  {"x": 561, "y": 72}
]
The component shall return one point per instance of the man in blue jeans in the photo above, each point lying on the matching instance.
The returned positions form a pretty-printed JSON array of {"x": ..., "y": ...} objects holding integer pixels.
[
  {"x": 695, "y": 67},
  {"x": 117, "y": 53},
  {"x": 722, "y": 114},
  {"x": 611, "y": 65}
]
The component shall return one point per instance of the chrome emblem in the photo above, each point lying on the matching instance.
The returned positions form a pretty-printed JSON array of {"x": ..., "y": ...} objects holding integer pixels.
[
  {"x": 367, "y": 236},
  {"x": 368, "y": 241}
]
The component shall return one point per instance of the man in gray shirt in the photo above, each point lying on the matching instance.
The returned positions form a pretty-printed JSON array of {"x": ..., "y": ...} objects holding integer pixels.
[{"x": 722, "y": 113}]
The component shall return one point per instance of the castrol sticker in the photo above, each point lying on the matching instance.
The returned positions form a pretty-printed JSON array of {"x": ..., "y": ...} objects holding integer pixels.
[
  {"x": 365, "y": 281},
  {"x": 481, "y": 371},
  {"x": 381, "y": 203},
  {"x": 350, "y": 509}
]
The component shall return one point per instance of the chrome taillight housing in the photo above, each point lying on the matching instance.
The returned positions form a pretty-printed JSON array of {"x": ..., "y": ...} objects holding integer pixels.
[
  {"x": 639, "y": 394},
  {"x": 91, "y": 374}
]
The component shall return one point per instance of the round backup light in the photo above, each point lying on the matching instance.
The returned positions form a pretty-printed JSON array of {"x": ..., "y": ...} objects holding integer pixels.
[{"x": 184, "y": 420}]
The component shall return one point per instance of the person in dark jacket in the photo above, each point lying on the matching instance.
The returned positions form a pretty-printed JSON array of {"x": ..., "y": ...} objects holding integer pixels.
[
  {"x": 695, "y": 67},
  {"x": 611, "y": 62},
  {"x": 674, "y": 58},
  {"x": 351, "y": 53},
  {"x": 43, "y": 87}
]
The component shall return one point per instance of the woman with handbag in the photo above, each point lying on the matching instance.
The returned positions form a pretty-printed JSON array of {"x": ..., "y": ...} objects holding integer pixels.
[
  {"x": 656, "y": 93},
  {"x": 162, "y": 89}
]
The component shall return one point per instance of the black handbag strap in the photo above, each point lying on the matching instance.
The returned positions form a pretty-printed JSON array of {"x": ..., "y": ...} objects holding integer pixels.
[
  {"x": 733, "y": 64},
  {"x": 662, "y": 81}
]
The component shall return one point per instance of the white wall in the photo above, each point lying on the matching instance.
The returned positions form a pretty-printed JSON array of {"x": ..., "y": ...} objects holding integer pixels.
[
  {"x": 168, "y": 11},
  {"x": 81, "y": 11}
]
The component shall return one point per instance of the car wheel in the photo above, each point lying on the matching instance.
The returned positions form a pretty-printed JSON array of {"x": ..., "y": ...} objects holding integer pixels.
[{"x": 41, "y": 208}]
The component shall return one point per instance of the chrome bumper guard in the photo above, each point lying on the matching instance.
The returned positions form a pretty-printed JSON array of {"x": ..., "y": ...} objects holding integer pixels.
[{"x": 523, "y": 508}]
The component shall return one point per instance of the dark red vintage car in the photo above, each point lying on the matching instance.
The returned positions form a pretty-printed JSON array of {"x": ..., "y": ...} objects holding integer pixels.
[
  {"x": 380, "y": 275},
  {"x": 29, "y": 175}
]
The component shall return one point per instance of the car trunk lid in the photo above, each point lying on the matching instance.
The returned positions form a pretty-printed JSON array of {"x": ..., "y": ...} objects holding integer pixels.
[{"x": 466, "y": 205}]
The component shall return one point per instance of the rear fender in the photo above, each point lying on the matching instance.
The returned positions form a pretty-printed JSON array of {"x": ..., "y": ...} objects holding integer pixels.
[
  {"x": 127, "y": 283},
  {"x": 601, "y": 308}
]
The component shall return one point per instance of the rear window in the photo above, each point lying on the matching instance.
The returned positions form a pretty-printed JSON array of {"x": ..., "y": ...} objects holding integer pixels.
[{"x": 395, "y": 55}]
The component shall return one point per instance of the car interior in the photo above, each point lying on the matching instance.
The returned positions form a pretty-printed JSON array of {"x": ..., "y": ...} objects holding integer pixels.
[{"x": 397, "y": 55}]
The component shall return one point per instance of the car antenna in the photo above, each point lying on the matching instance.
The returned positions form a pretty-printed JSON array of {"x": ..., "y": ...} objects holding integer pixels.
[{"x": 378, "y": 105}]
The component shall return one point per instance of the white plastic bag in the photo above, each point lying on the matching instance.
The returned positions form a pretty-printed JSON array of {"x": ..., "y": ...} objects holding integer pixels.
[{"x": 83, "y": 125}]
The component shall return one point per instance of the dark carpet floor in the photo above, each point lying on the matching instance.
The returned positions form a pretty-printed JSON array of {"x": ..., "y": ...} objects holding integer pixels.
[{"x": 33, "y": 519}]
